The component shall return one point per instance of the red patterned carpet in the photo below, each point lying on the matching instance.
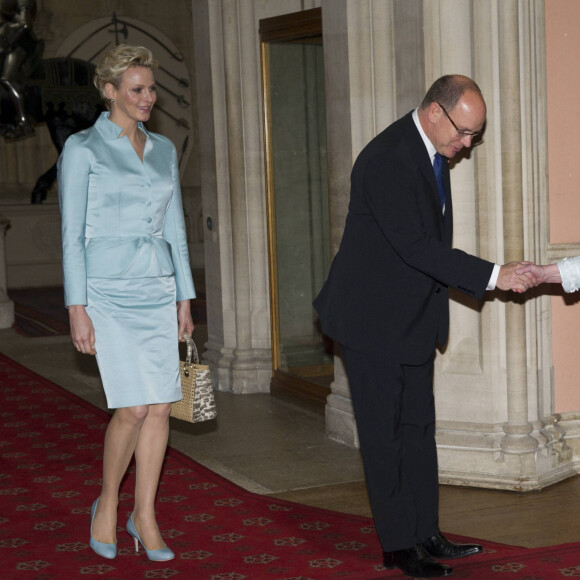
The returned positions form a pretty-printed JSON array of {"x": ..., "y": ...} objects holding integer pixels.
[{"x": 50, "y": 446}]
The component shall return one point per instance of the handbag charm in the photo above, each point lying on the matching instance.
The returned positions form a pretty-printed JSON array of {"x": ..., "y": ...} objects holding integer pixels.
[{"x": 198, "y": 402}]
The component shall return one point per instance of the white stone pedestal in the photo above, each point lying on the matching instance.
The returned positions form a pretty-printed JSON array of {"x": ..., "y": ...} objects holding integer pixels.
[{"x": 33, "y": 245}]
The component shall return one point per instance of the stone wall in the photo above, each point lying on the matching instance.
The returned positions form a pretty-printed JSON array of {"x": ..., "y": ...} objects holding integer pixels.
[{"x": 23, "y": 160}]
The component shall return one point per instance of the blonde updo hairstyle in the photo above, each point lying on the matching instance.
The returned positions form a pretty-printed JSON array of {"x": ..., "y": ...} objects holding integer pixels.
[{"x": 116, "y": 62}]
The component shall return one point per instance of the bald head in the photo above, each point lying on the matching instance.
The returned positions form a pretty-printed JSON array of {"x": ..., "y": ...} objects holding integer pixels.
[
  {"x": 452, "y": 113},
  {"x": 447, "y": 91}
]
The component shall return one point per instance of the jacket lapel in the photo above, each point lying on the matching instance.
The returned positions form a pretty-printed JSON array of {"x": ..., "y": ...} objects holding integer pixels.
[{"x": 420, "y": 153}]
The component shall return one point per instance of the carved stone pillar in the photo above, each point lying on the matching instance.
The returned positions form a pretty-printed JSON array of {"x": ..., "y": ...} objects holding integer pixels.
[
  {"x": 448, "y": 50},
  {"x": 340, "y": 422},
  {"x": 228, "y": 85},
  {"x": 517, "y": 428}
]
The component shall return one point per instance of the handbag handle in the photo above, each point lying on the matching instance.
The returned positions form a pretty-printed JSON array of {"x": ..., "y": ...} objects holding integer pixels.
[{"x": 191, "y": 350}]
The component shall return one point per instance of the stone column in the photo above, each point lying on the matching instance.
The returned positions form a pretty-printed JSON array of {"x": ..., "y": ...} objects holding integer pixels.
[
  {"x": 494, "y": 423},
  {"x": 448, "y": 50},
  {"x": 340, "y": 422},
  {"x": 493, "y": 380},
  {"x": 517, "y": 428},
  {"x": 228, "y": 85}
]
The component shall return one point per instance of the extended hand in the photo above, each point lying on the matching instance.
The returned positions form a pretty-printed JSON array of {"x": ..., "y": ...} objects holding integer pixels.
[
  {"x": 510, "y": 279},
  {"x": 549, "y": 273}
]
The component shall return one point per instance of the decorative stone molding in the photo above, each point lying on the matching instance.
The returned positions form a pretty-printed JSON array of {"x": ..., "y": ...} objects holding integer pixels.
[{"x": 557, "y": 252}]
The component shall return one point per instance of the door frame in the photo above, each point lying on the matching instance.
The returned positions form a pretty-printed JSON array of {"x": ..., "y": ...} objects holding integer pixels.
[{"x": 297, "y": 26}]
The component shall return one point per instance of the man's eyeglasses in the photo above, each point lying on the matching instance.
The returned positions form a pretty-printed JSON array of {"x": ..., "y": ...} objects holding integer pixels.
[{"x": 460, "y": 132}]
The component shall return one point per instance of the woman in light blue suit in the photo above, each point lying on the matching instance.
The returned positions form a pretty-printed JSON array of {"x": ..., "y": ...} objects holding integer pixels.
[{"x": 128, "y": 284}]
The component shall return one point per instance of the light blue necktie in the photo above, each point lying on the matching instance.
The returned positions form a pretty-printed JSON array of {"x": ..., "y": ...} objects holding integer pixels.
[{"x": 438, "y": 168}]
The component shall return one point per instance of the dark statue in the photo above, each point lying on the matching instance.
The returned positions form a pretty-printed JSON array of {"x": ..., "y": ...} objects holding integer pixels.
[{"x": 58, "y": 91}]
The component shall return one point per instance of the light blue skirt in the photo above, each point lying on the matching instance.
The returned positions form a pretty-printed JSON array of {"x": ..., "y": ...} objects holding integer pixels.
[{"x": 135, "y": 324}]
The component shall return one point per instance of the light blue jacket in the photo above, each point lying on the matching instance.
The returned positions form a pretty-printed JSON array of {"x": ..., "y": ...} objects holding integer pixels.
[{"x": 121, "y": 218}]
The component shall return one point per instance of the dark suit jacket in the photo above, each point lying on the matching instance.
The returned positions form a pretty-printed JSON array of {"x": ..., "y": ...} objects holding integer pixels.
[{"x": 387, "y": 290}]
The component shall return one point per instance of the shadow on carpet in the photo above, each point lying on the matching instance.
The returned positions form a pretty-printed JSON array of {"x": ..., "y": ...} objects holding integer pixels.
[{"x": 51, "y": 446}]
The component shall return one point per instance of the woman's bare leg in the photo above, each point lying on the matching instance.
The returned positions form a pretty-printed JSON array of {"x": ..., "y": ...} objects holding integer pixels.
[
  {"x": 149, "y": 455},
  {"x": 120, "y": 441}
]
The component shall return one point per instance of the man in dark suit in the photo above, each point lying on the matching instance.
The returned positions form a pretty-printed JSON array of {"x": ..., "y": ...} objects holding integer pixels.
[{"x": 386, "y": 302}]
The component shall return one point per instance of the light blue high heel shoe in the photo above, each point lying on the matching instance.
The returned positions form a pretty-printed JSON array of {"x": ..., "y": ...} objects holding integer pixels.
[
  {"x": 105, "y": 550},
  {"x": 159, "y": 555}
]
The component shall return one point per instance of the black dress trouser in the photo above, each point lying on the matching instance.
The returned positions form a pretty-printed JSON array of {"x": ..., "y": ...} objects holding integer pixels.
[{"x": 395, "y": 414}]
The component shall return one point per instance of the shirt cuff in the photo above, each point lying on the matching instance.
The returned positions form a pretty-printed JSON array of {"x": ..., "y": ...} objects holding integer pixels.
[
  {"x": 570, "y": 274},
  {"x": 493, "y": 280}
]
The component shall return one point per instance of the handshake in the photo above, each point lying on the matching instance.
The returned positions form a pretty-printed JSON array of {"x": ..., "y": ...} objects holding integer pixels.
[{"x": 521, "y": 276}]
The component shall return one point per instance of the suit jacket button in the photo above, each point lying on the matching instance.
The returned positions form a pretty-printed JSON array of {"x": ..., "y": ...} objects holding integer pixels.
[{"x": 437, "y": 290}]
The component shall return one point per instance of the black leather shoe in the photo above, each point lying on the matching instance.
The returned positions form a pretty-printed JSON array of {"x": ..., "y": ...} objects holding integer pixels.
[
  {"x": 416, "y": 562},
  {"x": 439, "y": 546}
]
